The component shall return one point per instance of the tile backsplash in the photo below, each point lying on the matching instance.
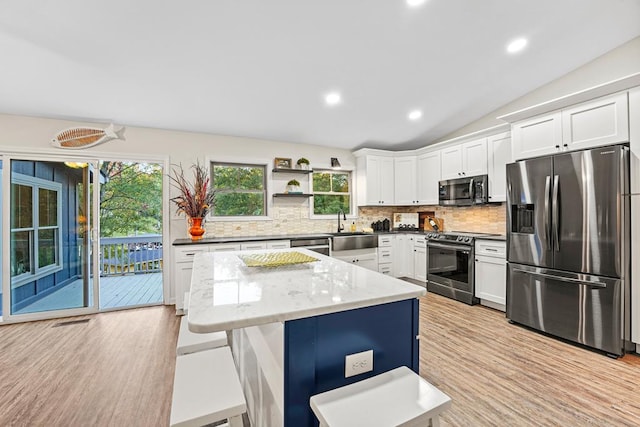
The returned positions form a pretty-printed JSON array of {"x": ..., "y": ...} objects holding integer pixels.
[
  {"x": 480, "y": 219},
  {"x": 291, "y": 218}
]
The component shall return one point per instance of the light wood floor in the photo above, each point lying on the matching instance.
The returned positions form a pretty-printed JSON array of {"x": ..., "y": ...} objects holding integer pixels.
[
  {"x": 117, "y": 370},
  {"x": 499, "y": 374}
]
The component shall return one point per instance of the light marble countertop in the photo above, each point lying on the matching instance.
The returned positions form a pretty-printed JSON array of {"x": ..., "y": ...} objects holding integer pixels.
[{"x": 226, "y": 294}]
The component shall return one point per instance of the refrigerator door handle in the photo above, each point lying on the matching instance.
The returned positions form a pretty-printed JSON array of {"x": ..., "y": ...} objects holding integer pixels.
[
  {"x": 547, "y": 222},
  {"x": 563, "y": 279},
  {"x": 556, "y": 212}
]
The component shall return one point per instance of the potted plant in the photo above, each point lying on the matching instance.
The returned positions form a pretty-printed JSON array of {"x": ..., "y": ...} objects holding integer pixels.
[
  {"x": 293, "y": 187},
  {"x": 302, "y": 163},
  {"x": 194, "y": 200}
]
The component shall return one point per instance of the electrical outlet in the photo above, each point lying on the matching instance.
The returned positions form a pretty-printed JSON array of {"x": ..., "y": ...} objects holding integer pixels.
[{"x": 358, "y": 363}]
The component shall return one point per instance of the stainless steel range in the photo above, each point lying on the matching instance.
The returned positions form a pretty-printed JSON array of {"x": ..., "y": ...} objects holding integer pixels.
[{"x": 450, "y": 265}]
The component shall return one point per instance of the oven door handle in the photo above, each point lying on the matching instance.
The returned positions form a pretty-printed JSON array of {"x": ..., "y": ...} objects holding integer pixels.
[{"x": 458, "y": 248}]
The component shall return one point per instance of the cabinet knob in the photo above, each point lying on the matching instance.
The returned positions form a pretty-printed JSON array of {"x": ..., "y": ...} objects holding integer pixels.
[
  {"x": 557, "y": 146},
  {"x": 566, "y": 145}
]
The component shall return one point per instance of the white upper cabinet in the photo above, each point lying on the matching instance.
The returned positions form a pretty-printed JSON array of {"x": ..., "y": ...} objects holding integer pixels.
[
  {"x": 405, "y": 180},
  {"x": 602, "y": 121},
  {"x": 537, "y": 136},
  {"x": 375, "y": 180},
  {"x": 467, "y": 159},
  {"x": 474, "y": 157},
  {"x": 451, "y": 158},
  {"x": 428, "y": 176},
  {"x": 499, "y": 149}
]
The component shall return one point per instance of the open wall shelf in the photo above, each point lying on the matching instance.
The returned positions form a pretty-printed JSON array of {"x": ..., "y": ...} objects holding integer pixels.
[
  {"x": 292, "y": 195},
  {"x": 300, "y": 171}
]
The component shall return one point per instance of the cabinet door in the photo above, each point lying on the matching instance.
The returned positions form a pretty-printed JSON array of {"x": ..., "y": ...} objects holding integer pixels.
[
  {"x": 183, "y": 282},
  {"x": 400, "y": 265},
  {"x": 537, "y": 136},
  {"x": 474, "y": 157},
  {"x": 428, "y": 171},
  {"x": 386, "y": 181},
  {"x": 369, "y": 261},
  {"x": 499, "y": 149},
  {"x": 491, "y": 279},
  {"x": 379, "y": 180},
  {"x": 405, "y": 180},
  {"x": 451, "y": 162},
  {"x": 420, "y": 263},
  {"x": 601, "y": 122}
]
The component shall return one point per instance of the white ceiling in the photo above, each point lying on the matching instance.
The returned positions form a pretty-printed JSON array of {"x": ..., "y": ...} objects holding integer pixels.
[{"x": 260, "y": 68}]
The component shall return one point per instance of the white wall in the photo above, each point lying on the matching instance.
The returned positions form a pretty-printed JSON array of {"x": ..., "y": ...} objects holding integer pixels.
[
  {"x": 617, "y": 63},
  {"x": 34, "y": 134}
]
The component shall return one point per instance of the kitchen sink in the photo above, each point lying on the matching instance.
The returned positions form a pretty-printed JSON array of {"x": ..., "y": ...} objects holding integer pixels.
[{"x": 349, "y": 241}]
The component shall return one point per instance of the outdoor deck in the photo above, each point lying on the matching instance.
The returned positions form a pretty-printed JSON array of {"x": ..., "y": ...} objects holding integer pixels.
[{"x": 115, "y": 292}]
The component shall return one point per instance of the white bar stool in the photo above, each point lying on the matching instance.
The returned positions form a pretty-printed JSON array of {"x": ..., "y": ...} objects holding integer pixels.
[
  {"x": 399, "y": 397},
  {"x": 206, "y": 389},
  {"x": 191, "y": 342}
]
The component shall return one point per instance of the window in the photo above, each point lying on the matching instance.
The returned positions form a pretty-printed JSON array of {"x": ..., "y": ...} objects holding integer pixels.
[
  {"x": 35, "y": 228},
  {"x": 240, "y": 189},
  {"x": 331, "y": 192}
]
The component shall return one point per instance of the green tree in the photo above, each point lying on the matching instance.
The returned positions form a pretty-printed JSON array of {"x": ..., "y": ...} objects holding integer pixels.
[
  {"x": 239, "y": 190},
  {"x": 130, "y": 199}
]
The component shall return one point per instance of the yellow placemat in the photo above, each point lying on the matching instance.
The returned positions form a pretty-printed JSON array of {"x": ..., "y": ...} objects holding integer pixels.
[{"x": 275, "y": 259}]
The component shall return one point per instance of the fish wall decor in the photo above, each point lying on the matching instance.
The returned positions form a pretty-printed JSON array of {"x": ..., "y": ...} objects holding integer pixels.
[{"x": 85, "y": 137}]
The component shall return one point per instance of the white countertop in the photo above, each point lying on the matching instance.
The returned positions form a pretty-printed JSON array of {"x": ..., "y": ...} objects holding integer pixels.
[{"x": 226, "y": 294}]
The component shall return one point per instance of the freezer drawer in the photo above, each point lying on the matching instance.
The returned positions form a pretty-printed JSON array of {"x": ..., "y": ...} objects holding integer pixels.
[{"x": 582, "y": 308}]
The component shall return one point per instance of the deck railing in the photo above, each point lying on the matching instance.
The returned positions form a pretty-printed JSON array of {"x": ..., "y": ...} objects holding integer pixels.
[{"x": 134, "y": 254}]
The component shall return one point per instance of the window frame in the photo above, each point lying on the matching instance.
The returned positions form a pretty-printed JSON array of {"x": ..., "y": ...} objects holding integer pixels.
[
  {"x": 265, "y": 181},
  {"x": 37, "y": 272},
  {"x": 351, "y": 193}
]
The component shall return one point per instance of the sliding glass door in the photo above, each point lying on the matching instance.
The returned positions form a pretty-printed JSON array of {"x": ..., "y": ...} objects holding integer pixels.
[
  {"x": 79, "y": 236},
  {"x": 50, "y": 241}
]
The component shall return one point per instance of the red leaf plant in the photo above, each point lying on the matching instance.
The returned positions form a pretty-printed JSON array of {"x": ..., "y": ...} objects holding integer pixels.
[{"x": 196, "y": 200}]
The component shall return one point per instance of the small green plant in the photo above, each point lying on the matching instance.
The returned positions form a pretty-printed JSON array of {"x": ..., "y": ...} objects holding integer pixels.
[
  {"x": 293, "y": 182},
  {"x": 302, "y": 161}
]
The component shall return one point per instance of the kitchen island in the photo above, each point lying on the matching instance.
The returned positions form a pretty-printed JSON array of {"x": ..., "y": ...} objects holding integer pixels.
[{"x": 292, "y": 326}]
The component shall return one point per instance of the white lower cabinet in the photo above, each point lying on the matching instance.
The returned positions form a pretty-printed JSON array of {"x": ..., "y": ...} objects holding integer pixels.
[
  {"x": 420, "y": 258},
  {"x": 367, "y": 258},
  {"x": 491, "y": 273},
  {"x": 385, "y": 254},
  {"x": 403, "y": 249}
]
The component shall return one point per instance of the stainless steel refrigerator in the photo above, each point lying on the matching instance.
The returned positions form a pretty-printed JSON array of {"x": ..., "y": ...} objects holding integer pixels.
[{"x": 568, "y": 246}]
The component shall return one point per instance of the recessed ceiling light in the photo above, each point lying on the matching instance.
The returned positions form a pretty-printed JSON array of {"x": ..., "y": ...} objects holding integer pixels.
[
  {"x": 415, "y": 3},
  {"x": 517, "y": 45},
  {"x": 415, "y": 115},
  {"x": 333, "y": 98}
]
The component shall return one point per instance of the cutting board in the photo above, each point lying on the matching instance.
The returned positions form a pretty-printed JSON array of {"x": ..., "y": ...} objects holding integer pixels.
[{"x": 439, "y": 222}]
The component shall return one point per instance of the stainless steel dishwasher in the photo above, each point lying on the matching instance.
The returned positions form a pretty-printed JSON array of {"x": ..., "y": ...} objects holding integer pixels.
[{"x": 318, "y": 244}]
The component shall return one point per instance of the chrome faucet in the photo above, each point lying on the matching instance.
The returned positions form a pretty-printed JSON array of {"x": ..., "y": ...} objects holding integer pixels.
[{"x": 344, "y": 216}]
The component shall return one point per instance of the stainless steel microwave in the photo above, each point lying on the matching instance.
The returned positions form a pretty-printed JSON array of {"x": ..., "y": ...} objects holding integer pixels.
[{"x": 467, "y": 191}]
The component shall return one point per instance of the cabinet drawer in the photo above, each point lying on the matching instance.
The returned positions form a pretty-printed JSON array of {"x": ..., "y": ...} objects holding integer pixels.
[
  {"x": 420, "y": 242},
  {"x": 253, "y": 246},
  {"x": 224, "y": 247},
  {"x": 385, "y": 269},
  {"x": 386, "y": 240},
  {"x": 491, "y": 248},
  {"x": 278, "y": 244},
  {"x": 187, "y": 254},
  {"x": 385, "y": 254}
]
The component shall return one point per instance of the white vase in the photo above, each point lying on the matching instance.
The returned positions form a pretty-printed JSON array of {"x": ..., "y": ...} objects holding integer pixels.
[{"x": 293, "y": 189}]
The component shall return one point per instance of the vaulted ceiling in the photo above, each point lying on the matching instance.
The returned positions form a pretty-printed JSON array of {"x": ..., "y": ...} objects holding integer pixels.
[{"x": 262, "y": 69}]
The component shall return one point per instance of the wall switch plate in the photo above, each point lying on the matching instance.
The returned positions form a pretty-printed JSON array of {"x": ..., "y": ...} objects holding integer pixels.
[{"x": 358, "y": 363}]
